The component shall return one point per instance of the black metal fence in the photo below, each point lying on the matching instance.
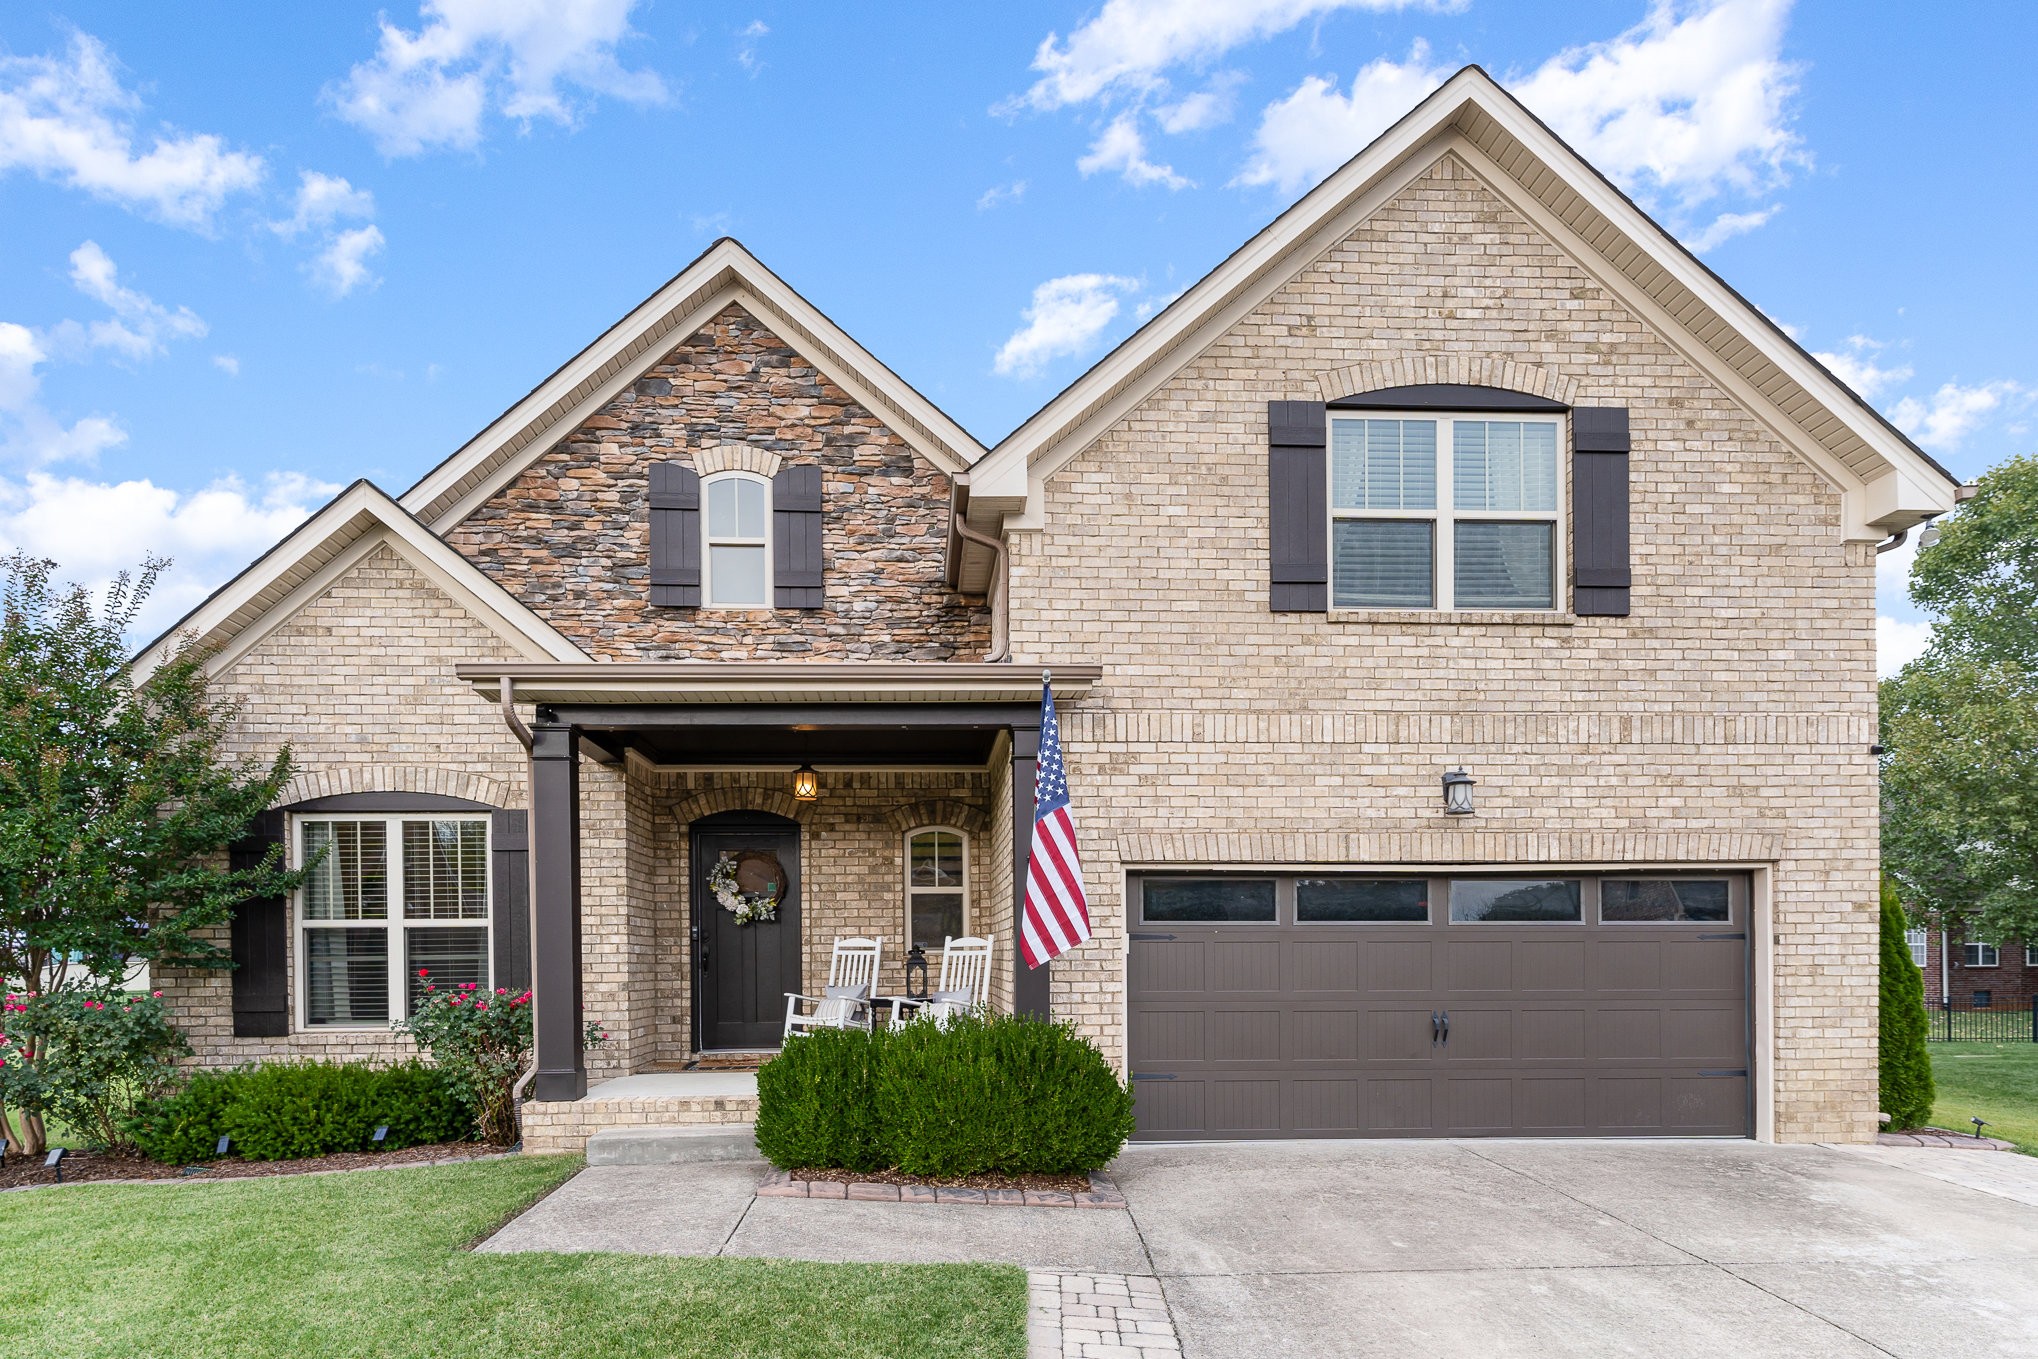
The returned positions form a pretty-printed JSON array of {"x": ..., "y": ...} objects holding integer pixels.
[{"x": 2014, "y": 1023}]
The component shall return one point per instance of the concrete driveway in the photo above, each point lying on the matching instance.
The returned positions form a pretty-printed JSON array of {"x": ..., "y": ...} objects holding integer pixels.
[{"x": 1487, "y": 1248}]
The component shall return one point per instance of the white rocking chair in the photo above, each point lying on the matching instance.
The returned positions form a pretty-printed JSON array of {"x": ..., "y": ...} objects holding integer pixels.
[
  {"x": 845, "y": 1003},
  {"x": 965, "y": 983}
]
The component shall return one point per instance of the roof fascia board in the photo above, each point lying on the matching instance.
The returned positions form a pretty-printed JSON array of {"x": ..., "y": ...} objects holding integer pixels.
[
  {"x": 1749, "y": 325},
  {"x": 724, "y": 273}
]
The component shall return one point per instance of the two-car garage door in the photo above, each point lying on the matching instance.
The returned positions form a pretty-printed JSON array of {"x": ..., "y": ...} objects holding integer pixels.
[{"x": 1346, "y": 1005}]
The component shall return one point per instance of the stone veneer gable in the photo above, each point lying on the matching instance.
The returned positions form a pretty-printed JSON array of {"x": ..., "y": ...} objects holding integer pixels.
[{"x": 570, "y": 535}]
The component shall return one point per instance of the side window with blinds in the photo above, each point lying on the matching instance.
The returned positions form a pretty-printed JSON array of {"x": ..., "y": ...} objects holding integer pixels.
[{"x": 1438, "y": 511}]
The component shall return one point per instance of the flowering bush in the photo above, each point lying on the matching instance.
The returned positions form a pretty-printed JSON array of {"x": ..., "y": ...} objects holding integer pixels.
[
  {"x": 89, "y": 1057},
  {"x": 482, "y": 1042}
]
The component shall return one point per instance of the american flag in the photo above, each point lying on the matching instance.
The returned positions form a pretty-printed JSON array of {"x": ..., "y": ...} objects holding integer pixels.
[{"x": 1057, "y": 915}]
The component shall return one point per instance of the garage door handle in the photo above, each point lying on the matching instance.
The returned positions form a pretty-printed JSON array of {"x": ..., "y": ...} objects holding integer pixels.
[
  {"x": 1153, "y": 1075},
  {"x": 1152, "y": 938},
  {"x": 1447, "y": 1028}
]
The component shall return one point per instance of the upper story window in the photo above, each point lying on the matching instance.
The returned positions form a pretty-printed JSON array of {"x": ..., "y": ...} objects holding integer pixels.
[
  {"x": 737, "y": 569},
  {"x": 937, "y": 886},
  {"x": 391, "y": 895},
  {"x": 1980, "y": 955},
  {"x": 1918, "y": 943},
  {"x": 1444, "y": 512}
]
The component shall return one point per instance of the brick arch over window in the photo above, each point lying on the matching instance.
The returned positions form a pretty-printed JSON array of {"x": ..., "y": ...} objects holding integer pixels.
[
  {"x": 309, "y": 783},
  {"x": 737, "y": 458},
  {"x": 1470, "y": 369},
  {"x": 938, "y": 812},
  {"x": 740, "y": 800}
]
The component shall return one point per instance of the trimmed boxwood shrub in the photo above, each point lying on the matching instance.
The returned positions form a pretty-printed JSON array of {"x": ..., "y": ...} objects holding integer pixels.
[
  {"x": 291, "y": 1109},
  {"x": 1008, "y": 1094},
  {"x": 1905, "y": 1065}
]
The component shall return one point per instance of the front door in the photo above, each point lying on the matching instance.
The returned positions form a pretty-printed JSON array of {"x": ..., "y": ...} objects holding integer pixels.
[{"x": 743, "y": 971}]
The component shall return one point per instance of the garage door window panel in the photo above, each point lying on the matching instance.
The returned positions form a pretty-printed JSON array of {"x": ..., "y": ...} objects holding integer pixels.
[
  {"x": 1362, "y": 900},
  {"x": 1661, "y": 901},
  {"x": 1184, "y": 901},
  {"x": 1516, "y": 901}
]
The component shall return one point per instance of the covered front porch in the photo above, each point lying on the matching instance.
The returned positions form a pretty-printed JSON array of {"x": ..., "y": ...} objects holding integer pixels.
[{"x": 646, "y": 777}]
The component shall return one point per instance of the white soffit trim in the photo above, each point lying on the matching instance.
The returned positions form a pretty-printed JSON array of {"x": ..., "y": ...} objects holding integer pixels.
[
  {"x": 725, "y": 273},
  {"x": 1890, "y": 481},
  {"x": 321, "y": 550}
]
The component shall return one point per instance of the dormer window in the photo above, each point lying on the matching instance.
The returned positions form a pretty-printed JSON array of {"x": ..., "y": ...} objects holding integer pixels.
[{"x": 736, "y": 572}]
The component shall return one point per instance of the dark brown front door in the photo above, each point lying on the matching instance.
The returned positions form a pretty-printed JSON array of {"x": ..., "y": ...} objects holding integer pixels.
[
  {"x": 1536, "y": 1004},
  {"x": 742, "y": 972}
]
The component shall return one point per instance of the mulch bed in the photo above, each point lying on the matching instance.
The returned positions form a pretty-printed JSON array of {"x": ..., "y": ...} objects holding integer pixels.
[
  {"x": 889, "y": 1186},
  {"x": 81, "y": 1167}
]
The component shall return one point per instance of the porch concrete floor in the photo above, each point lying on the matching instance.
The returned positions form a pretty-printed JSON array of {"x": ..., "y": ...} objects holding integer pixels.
[
  {"x": 1489, "y": 1248},
  {"x": 676, "y": 1084}
]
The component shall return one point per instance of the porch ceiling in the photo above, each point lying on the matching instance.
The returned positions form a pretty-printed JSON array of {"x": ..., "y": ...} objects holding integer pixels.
[{"x": 786, "y": 747}]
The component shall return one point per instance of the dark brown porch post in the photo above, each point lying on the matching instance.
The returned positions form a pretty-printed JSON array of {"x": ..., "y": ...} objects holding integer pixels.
[
  {"x": 555, "y": 909},
  {"x": 1029, "y": 985}
]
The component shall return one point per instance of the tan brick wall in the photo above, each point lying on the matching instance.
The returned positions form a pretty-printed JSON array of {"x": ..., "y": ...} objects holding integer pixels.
[
  {"x": 571, "y": 535},
  {"x": 1737, "y": 701}
]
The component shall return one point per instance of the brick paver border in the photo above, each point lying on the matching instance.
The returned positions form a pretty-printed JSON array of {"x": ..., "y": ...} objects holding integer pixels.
[
  {"x": 1102, "y": 1194},
  {"x": 1097, "y": 1316}
]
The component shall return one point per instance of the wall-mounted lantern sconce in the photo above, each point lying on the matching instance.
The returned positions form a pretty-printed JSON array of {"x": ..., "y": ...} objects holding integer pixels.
[
  {"x": 1458, "y": 793},
  {"x": 806, "y": 784}
]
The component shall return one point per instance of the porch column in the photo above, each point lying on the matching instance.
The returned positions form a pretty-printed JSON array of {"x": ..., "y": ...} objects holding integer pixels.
[
  {"x": 1029, "y": 984},
  {"x": 555, "y": 910}
]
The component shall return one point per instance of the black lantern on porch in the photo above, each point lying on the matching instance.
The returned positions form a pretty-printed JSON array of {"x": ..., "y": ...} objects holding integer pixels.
[{"x": 916, "y": 973}]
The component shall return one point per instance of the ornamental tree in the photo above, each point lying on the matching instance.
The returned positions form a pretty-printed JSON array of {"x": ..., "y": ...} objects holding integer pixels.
[{"x": 117, "y": 799}]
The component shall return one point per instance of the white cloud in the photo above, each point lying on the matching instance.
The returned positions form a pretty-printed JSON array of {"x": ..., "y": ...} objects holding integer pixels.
[
  {"x": 1128, "y": 44},
  {"x": 1856, "y": 366},
  {"x": 1205, "y": 108},
  {"x": 228, "y": 364},
  {"x": 1952, "y": 413},
  {"x": 433, "y": 87},
  {"x": 746, "y": 48},
  {"x": 94, "y": 529},
  {"x": 1066, "y": 316},
  {"x": 1690, "y": 103},
  {"x": 1315, "y": 129},
  {"x": 1120, "y": 147},
  {"x": 28, "y": 432},
  {"x": 1728, "y": 225},
  {"x": 140, "y": 328},
  {"x": 322, "y": 200},
  {"x": 343, "y": 265},
  {"x": 68, "y": 119},
  {"x": 1898, "y": 643},
  {"x": 1001, "y": 193}
]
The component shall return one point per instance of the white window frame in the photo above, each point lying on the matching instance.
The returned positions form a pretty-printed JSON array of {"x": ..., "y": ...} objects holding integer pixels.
[
  {"x": 1443, "y": 520},
  {"x": 912, "y": 891},
  {"x": 2031, "y": 955},
  {"x": 1973, "y": 953},
  {"x": 395, "y": 923},
  {"x": 709, "y": 542},
  {"x": 1919, "y": 943}
]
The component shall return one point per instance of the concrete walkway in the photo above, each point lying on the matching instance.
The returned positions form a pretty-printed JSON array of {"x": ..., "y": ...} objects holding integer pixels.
[{"x": 1488, "y": 1248}]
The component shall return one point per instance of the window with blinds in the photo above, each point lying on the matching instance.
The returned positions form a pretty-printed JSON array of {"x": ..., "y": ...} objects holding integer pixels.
[
  {"x": 360, "y": 958},
  {"x": 937, "y": 887},
  {"x": 1451, "y": 512}
]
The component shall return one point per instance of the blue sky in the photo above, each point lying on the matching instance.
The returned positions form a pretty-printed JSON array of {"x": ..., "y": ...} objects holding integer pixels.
[{"x": 249, "y": 252}]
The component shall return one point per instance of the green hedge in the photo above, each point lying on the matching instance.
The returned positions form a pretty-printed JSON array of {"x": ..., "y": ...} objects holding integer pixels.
[
  {"x": 291, "y": 1109},
  {"x": 1010, "y": 1094}
]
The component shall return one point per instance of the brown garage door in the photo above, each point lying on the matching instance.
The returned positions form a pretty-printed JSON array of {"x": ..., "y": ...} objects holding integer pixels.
[{"x": 1529, "y": 1004}]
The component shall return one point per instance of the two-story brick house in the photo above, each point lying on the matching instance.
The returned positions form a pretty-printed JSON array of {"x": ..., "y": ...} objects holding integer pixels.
[{"x": 1461, "y": 464}]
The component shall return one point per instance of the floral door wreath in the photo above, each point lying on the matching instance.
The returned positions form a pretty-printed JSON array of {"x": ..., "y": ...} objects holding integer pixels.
[{"x": 749, "y": 884}]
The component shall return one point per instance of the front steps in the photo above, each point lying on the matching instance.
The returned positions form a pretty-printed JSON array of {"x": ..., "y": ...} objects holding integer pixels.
[
  {"x": 670, "y": 1146},
  {"x": 725, "y": 1102}
]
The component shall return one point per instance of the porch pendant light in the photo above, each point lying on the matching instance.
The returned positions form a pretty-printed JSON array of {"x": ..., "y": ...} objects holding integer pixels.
[
  {"x": 806, "y": 784},
  {"x": 1458, "y": 793}
]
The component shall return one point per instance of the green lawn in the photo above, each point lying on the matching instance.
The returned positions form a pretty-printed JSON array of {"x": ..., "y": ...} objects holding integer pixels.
[
  {"x": 372, "y": 1264},
  {"x": 1998, "y": 1081}
]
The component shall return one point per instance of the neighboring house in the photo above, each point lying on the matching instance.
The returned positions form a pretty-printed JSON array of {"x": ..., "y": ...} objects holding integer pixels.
[
  {"x": 1462, "y": 463},
  {"x": 1972, "y": 974}
]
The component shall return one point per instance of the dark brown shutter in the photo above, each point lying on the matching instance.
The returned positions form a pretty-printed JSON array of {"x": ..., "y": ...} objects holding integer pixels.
[
  {"x": 509, "y": 852},
  {"x": 259, "y": 940},
  {"x": 796, "y": 537},
  {"x": 1600, "y": 574},
  {"x": 1298, "y": 513},
  {"x": 675, "y": 535}
]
